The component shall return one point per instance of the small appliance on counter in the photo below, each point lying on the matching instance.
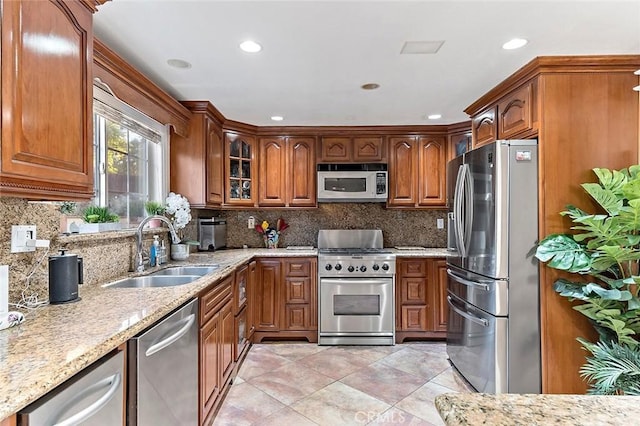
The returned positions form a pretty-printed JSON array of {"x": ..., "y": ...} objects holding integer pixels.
[
  {"x": 65, "y": 273},
  {"x": 212, "y": 234}
]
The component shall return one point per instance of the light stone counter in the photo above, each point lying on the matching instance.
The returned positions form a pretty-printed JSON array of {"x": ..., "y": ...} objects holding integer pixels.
[
  {"x": 57, "y": 341},
  {"x": 425, "y": 252},
  {"x": 514, "y": 410}
]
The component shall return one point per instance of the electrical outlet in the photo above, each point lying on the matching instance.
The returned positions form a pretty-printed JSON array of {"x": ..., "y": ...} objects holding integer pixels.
[
  {"x": 440, "y": 223},
  {"x": 251, "y": 223},
  {"x": 21, "y": 237}
]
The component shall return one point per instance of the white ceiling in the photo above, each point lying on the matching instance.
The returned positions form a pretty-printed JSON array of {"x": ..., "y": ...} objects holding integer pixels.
[{"x": 317, "y": 54}]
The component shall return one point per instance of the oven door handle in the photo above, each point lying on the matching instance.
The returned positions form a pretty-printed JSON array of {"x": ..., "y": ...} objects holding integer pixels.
[
  {"x": 483, "y": 285},
  {"x": 481, "y": 321},
  {"x": 365, "y": 281}
]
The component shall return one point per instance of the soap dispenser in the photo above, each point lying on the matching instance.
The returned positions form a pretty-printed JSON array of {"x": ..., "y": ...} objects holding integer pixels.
[{"x": 154, "y": 251}]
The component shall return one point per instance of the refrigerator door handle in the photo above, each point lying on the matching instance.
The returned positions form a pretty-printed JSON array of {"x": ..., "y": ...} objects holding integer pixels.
[
  {"x": 457, "y": 208},
  {"x": 481, "y": 321},
  {"x": 468, "y": 206},
  {"x": 483, "y": 285}
]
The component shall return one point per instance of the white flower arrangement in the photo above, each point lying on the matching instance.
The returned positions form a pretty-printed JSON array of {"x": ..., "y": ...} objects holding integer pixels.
[{"x": 178, "y": 210}]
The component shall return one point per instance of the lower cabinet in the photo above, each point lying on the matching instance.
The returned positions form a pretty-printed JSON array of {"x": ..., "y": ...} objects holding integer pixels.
[
  {"x": 285, "y": 299},
  {"x": 421, "y": 298},
  {"x": 216, "y": 344}
]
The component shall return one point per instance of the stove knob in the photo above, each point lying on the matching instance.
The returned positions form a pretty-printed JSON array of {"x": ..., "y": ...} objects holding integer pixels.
[
  {"x": 328, "y": 267},
  {"x": 350, "y": 269},
  {"x": 385, "y": 267},
  {"x": 338, "y": 267},
  {"x": 363, "y": 268},
  {"x": 375, "y": 267}
]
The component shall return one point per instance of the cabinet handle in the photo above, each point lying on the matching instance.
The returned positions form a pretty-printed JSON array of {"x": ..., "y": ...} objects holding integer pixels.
[
  {"x": 113, "y": 381},
  {"x": 157, "y": 347}
]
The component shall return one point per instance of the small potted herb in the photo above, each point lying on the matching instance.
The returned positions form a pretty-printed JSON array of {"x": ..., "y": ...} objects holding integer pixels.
[
  {"x": 154, "y": 208},
  {"x": 97, "y": 219}
]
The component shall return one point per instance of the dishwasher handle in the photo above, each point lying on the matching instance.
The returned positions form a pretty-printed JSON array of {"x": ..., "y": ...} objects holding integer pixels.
[
  {"x": 483, "y": 322},
  {"x": 81, "y": 416},
  {"x": 468, "y": 283},
  {"x": 157, "y": 347}
]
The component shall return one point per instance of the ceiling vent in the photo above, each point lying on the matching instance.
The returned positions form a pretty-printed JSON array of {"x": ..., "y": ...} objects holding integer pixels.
[{"x": 421, "y": 47}]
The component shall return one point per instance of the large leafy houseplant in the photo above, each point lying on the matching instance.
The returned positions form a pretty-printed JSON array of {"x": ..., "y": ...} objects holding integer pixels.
[{"x": 604, "y": 252}]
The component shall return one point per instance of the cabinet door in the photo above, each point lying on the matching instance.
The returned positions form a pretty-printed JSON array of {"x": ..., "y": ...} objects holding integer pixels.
[
  {"x": 368, "y": 149},
  {"x": 514, "y": 113},
  {"x": 268, "y": 297},
  {"x": 240, "y": 289},
  {"x": 296, "y": 317},
  {"x": 413, "y": 291},
  {"x": 335, "y": 150},
  {"x": 438, "y": 297},
  {"x": 459, "y": 143},
  {"x": 301, "y": 184},
  {"x": 210, "y": 374},
  {"x": 240, "y": 188},
  {"x": 251, "y": 300},
  {"x": 227, "y": 340},
  {"x": 297, "y": 290},
  {"x": 484, "y": 128},
  {"x": 47, "y": 150},
  {"x": 273, "y": 171},
  {"x": 214, "y": 164},
  {"x": 414, "y": 318},
  {"x": 412, "y": 267},
  {"x": 402, "y": 171},
  {"x": 432, "y": 171}
]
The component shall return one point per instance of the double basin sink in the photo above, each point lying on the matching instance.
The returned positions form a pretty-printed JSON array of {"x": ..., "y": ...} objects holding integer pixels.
[{"x": 169, "y": 277}]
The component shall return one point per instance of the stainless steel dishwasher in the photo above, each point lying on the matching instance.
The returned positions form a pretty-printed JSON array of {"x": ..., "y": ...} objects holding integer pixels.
[
  {"x": 163, "y": 371},
  {"x": 92, "y": 397}
]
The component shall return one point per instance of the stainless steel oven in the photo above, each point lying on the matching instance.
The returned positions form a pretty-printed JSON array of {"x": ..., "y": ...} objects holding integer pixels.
[{"x": 355, "y": 289}]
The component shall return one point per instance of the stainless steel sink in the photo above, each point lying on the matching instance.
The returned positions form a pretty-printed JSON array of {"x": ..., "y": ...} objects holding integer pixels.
[
  {"x": 186, "y": 270},
  {"x": 152, "y": 281}
]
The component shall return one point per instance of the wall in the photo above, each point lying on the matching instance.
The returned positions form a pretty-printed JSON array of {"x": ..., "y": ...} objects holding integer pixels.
[{"x": 399, "y": 227}]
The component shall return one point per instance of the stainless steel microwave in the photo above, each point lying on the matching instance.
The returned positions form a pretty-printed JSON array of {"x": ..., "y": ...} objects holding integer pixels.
[{"x": 352, "y": 183}]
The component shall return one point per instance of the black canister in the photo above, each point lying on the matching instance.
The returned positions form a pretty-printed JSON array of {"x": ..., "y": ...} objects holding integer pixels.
[{"x": 65, "y": 273}]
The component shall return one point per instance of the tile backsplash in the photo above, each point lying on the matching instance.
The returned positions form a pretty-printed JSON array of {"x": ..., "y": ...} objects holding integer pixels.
[{"x": 399, "y": 227}]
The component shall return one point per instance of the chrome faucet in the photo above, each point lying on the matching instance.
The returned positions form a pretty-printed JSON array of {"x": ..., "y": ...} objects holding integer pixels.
[{"x": 140, "y": 249}]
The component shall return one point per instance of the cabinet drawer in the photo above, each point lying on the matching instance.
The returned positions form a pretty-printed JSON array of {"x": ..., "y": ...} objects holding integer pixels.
[
  {"x": 514, "y": 113},
  {"x": 413, "y": 268},
  {"x": 414, "y": 318},
  {"x": 297, "y": 268},
  {"x": 296, "y": 317},
  {"x": 368, "y": 149},
  {"x": 297, "y": 290},
  {"x": 413, "y": 291},
  {"x": 213, "y": 299}
]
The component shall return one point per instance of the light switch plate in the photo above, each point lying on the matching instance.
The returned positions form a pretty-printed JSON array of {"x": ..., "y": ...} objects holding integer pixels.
[
  {"x": 251, "y": 223},
  {"x": 440, "y": 223},
  {"x": 19, "y": 236}
]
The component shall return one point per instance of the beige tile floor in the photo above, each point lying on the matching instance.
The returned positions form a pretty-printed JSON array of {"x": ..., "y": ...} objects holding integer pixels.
[{"x": 302, "y": 384}]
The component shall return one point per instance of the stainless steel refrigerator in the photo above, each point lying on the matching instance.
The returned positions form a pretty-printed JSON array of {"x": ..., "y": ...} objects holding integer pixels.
[{"x": 493, "y": 329}]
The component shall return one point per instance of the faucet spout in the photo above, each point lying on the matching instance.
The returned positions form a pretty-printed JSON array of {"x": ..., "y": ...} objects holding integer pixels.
[{"x": 139, "y": 257}]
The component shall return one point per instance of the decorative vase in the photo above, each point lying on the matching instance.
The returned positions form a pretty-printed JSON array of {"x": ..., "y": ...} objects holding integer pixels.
[
  {"x": 271, "y": 238},
  {"x": 155, "y": 223},
  {"x": 179, "y": 251}
]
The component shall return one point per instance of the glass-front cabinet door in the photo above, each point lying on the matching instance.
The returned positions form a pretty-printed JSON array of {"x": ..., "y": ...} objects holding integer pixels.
[{"x": 240, "y": 188}]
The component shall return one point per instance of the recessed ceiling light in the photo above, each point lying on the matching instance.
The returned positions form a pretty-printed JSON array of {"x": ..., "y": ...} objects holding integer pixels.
[
  {"x": 370, "y": 86},
  {"x": 434, "y": 116},
  {"x": 421, "y": 47},
  {"x": 178, "y": 63},
  {"x": 250, "y": 46},
  {"x": 277, "y": 118},
  {"x": 515, "y": 43}
]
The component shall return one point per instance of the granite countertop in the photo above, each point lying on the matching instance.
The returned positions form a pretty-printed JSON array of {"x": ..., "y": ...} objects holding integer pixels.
[
  {"x": 420, "y": 252},
  {"x": 513, "y": 409},
  {"x": 57, "y": 341}
]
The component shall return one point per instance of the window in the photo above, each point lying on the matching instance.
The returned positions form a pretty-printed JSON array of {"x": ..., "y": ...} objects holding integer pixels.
[{"x": 130, "y": 157}]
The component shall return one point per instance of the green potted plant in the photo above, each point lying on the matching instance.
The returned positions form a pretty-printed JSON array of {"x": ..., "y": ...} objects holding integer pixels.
[
  {"x": 154, "y": 208},
  {"x": 604, "y": 254},
  {"x": 97, "y": 219}
]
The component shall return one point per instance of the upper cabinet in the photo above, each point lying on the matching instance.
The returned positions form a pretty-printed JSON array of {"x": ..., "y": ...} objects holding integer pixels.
[
  {"x": 287, "y": 172},
  {"x": 417, "y": 167},
  {"x": 47, "y": 150},
  {"x": 484, "y": 127},
  {"x": 360, "y": 149},
  {"x": 196, "y": 160},
  {"x": 240, "y": 170}
]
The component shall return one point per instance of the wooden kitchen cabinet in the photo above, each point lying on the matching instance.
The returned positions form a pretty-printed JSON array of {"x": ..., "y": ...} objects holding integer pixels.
[
  {"x": 9, "y": 421},
  {"x": 216, "y": 345},
  {"x": 421, "y": 311},
  {"x": 240, "y": 312},
  {"x": 287, "y": 172},
  {"x": 583, "y": 113},
  {"x": 484, "y": 128},
  {"x": 357, "y": 149},
  {"x": 240, "y": 170},
  {"x": 251, "y": 299},
  {"x": 47, "y": 97},
  {"x": 196, "y": 160},
  {"x": 417, "y": 171},
  {"x": 286, "y": 299}
]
